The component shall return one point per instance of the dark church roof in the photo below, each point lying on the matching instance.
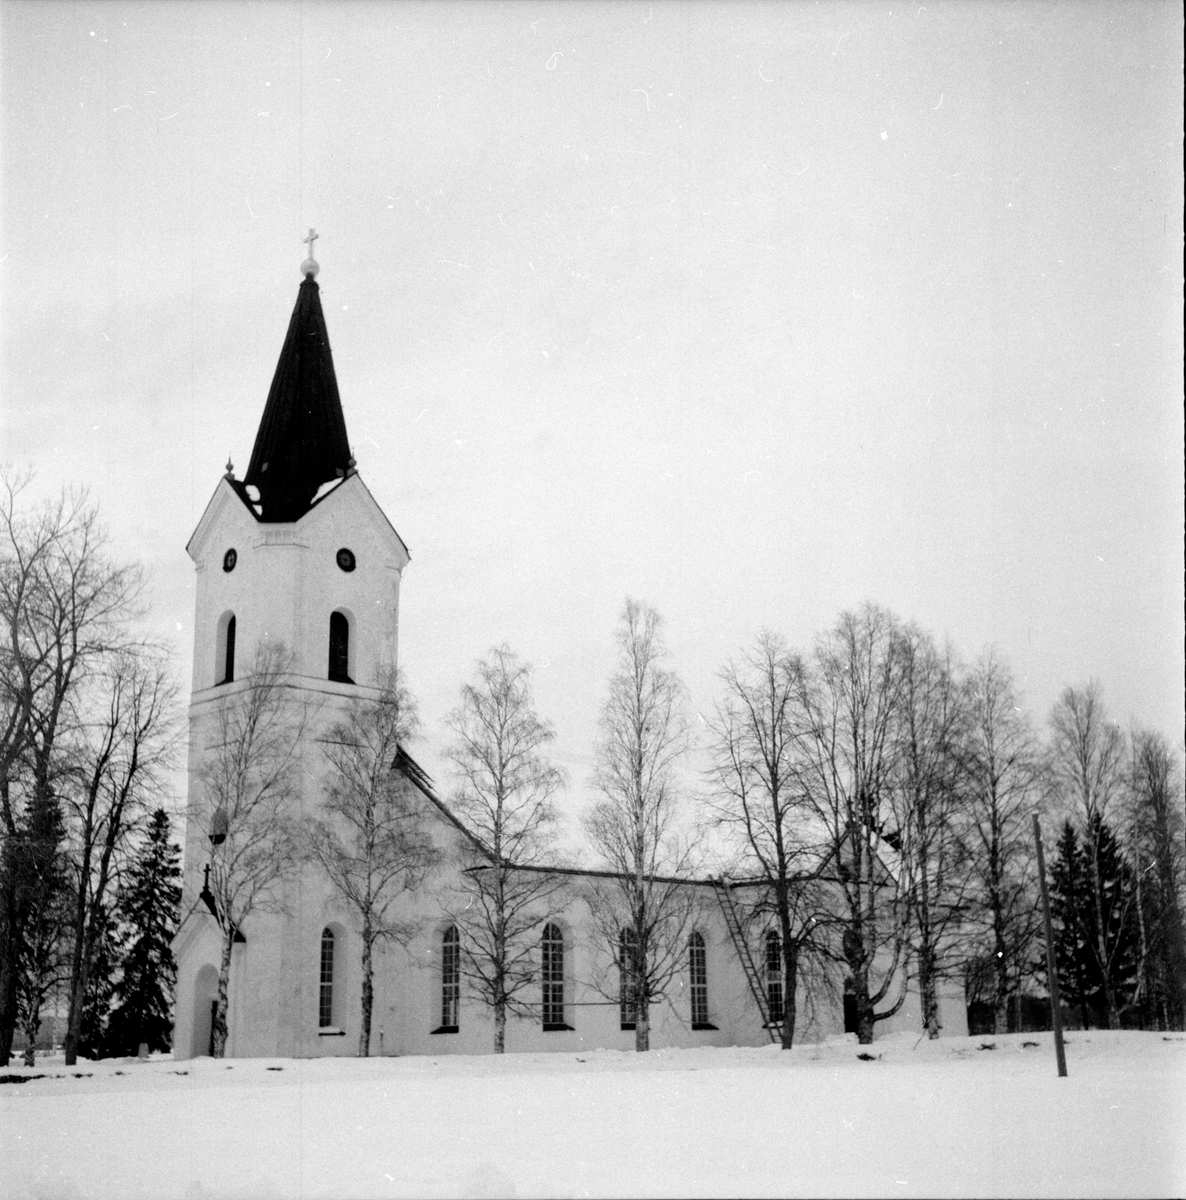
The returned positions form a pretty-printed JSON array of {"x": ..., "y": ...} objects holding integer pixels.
[{"x": 301, "y": 442}]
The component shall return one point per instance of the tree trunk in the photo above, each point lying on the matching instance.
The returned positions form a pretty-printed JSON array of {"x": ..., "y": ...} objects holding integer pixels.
[
  {"x": 642, "y": 1025},
  {"x": 1111, "y": 1013},
  {"x": 1174, "y": 936},
  {"x": 368, "y": 993},
  {"x": 1145, "y": 989},
  {"x": 8, "y": 974},
  {"x": 928, "y": 990},
  {"x": 80, "y": 974},
  {"x": 1000, "y": 966},
  {"x": 865, "y": 1023},
  {"x": 32, "y": 1028},
  {"x": 928, "y": 993},
  {"x": 500, "y": 989},
  {"x": 790, "y": 963},
  {"x": 865, "y": 1018},
  {"x": 13, "y": 914},
  {"x": 219, "y": 1023}
]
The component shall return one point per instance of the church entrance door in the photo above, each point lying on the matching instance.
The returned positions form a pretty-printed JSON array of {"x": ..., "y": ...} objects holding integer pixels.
[{"x": 205, "y": 998}]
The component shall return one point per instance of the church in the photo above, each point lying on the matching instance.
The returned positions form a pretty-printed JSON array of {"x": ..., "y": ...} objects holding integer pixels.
[{"x": 298, "y": 552}]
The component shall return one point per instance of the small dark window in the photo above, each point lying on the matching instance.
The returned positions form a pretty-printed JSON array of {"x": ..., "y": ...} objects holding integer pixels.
[
  {"x": 229, "y": 559},
  {"x": 325, "y": 1008},
  {"x": 774, "y": 995},
  {"x": 552, "y": 972},
  {"x": 339, "y": 648},
  {"x": 628, "y": 977},
  {"x": 346, "y": 559},
  {"x": 228, "y": 653}
]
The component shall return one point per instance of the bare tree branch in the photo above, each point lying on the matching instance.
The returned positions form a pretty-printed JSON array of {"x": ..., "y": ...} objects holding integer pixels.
[
  {"x": 505, "y": 786},
  {"x": 372, "y": 841},
  {"x": 641, "y": 922},
  {"x": 248, "y": 786}
]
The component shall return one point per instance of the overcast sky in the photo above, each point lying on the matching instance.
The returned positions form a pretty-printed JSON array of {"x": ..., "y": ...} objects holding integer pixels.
[{"x": 752, "y": 311}]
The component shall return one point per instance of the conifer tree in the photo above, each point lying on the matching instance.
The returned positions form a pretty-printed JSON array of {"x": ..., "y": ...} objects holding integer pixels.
[
  {"x": 1070, "y": 908},
  {"x": 1097, "y": 942},
  {"x": 1115, "y": 945},
  {"x": 148, "y": 912},
  {"x": 95, "y": 1009}
]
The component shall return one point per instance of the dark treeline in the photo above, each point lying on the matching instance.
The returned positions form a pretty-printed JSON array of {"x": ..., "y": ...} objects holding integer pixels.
[
  {"x": 885, "y": 792},
  {"x": 88, "y": 734},
  {"x": 874, "y": 790}
]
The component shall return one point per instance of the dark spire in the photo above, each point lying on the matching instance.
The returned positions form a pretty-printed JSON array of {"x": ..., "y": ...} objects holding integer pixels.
[{"x": 301, "y": 442}]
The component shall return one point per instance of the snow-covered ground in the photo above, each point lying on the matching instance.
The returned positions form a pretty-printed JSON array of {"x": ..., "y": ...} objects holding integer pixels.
[{"x": 982, "y": 1116}]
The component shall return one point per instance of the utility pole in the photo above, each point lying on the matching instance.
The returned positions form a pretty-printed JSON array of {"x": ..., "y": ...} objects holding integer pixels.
[{"x": 1051, "y": 965}]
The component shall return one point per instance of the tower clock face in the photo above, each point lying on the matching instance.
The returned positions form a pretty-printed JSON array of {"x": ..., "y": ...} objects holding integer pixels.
[
  {"x": 229, "y": 559},
  {"x": 346, "y": 559}
]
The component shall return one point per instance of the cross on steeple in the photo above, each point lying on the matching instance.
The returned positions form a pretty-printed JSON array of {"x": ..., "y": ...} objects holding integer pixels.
[{"x": 309, "y": 266}]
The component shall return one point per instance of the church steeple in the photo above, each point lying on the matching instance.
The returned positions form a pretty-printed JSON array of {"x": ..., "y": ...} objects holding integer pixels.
[{"x": 302, "y": 441}]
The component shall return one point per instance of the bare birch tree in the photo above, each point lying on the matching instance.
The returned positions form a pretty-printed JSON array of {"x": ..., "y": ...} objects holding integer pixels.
[
  {"x": 757, "y": 800},
  {"x": 1003, "y": 770},
  {"x": 372, "y": 841},
  {"x": 248, "y": 787},
  {"x": 65, "y": 605},
  {"x": 1087, "y": 761},
  {"x": 928, "y": 777},
  {"x": 1155, "y": 825},
  {"x": 848, "y": 712},
  {"x": 129, "y": 739},
  {"x": 642, "y": 910},
  {"x": 505, "y": 790}
]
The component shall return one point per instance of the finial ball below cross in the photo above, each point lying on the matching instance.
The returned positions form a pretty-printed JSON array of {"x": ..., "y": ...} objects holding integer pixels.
[{"x": 310, "y": 266}]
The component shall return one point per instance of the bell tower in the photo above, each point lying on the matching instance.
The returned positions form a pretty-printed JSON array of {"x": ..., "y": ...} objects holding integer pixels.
[{"x": 297, "y": 552}]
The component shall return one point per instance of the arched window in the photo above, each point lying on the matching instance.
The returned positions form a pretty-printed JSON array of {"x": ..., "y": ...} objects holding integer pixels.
[
  {"x": 774, "y": 996},
  {"x": 339, "y": 648},
  {"x": 552, "y": 975},
  {"x": 224, "y": 667},
  {"x": 628, "y": 981},
  {"x": 325, "y": 1001},
  {"x": 698, "y": 980},
  {"x": 450, "y": 980}
]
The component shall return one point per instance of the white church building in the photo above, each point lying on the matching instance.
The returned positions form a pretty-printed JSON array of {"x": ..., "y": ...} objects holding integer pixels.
[{"x": 299, "y": 551}]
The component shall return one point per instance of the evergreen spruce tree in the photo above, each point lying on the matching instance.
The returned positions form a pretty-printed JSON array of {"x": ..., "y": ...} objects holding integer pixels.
[
  {"x": 1094, "y": 943},
  {"x": 41, "y": 891},
  {"x": 1116, "y": 954},
  {"x": 96, "y": 1004},
  {"x": 148, "y": 916},
  {"x": 1070, "y": 909}
]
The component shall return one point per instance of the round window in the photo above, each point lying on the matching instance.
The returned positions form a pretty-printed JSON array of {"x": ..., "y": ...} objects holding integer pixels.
[
  {"x": 346, "y": 559},
  {"x": 228, "y": 560}
]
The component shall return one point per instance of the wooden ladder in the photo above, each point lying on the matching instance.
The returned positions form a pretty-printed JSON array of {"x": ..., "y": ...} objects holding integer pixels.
[{"x": 741, "y": 945}]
